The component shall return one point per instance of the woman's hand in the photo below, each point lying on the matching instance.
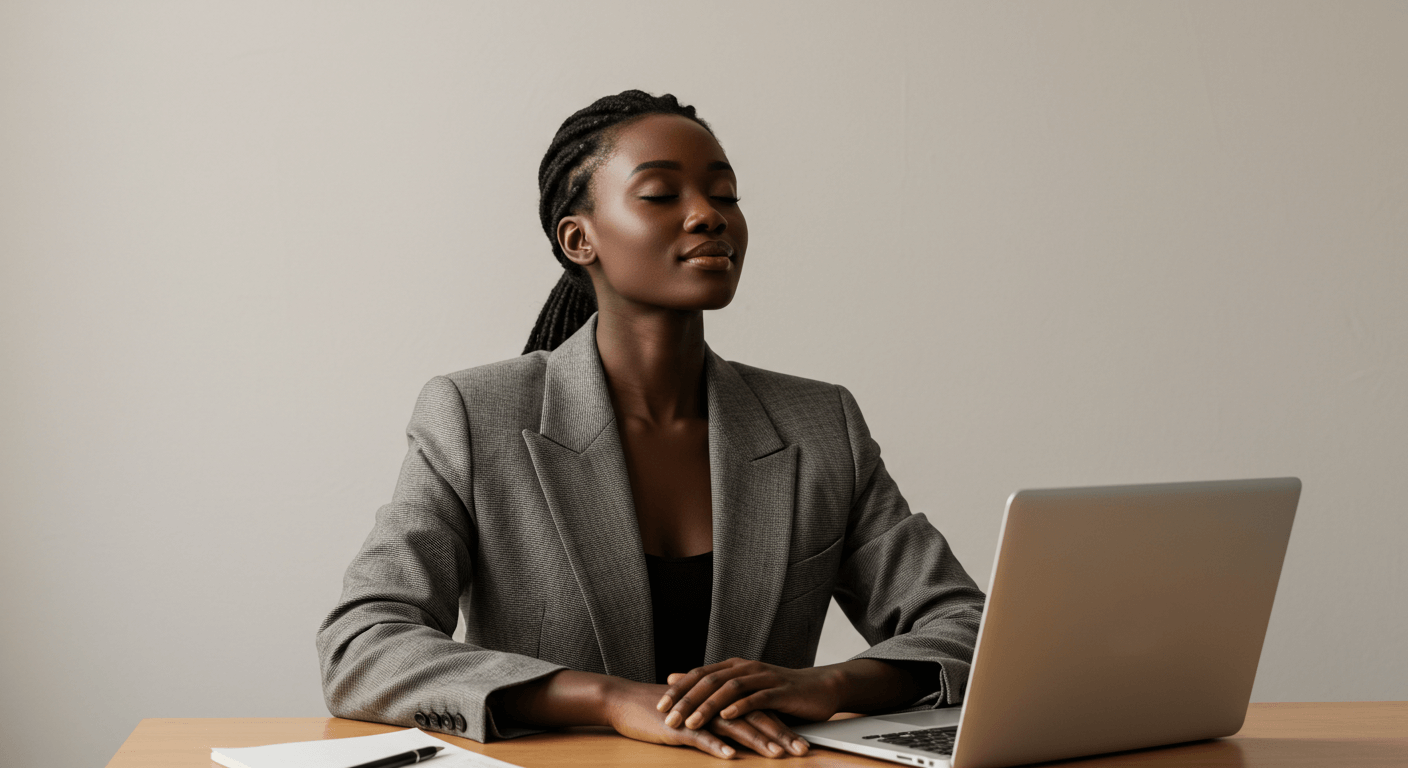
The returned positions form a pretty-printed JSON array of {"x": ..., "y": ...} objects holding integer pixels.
[
  {"x": 568, "y": 697},
  {"x": 737, "y": 688},
  {"x": 630, "y": 710},
  {"x": 762, "y": 732}
]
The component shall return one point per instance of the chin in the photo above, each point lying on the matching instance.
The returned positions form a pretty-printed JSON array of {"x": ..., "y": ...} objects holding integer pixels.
[
  {"x": 682, "y": 295},
  {"x": 717, "y": 299}
]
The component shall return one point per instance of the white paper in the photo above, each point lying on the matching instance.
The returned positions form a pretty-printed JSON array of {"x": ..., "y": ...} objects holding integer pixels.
[{"x": 345, "y": 753}]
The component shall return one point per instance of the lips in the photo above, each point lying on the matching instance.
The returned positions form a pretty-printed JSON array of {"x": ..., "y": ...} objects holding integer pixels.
[
  {"x": 715, "y": 255},
  {"x": 709, "y": 249}
]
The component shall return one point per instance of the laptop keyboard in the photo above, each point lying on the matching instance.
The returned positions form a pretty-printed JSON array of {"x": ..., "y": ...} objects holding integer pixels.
[{"x": 936, "y": 740}]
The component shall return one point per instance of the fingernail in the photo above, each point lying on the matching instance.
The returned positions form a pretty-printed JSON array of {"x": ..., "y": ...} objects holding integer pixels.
[
  {"x": 664, "y": 704},
  {"x": 774, "y": 749},
  {"x": 799, "y": 745},
  {"x": 673, "y": 719},
  {"x": 728, "y": 751},
  {"x": 729, "y": 714},
  {"x": 694, "y": 720}
]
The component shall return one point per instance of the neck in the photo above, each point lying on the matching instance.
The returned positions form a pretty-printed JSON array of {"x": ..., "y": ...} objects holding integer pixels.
[{"x": 654, "y": 362}]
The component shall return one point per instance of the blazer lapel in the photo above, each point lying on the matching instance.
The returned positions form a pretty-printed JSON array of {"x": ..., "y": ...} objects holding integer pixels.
[
  {"x": 582, "y": 470},
  {"x": 753, "y": 482}
]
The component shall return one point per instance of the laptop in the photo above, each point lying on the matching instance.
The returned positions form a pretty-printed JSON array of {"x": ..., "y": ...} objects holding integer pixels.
[{"x": 1119, "y": 617}]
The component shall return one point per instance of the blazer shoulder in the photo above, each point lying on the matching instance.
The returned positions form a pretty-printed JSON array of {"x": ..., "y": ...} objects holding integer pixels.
[
  {"x": 774, "y": 382},
  {"x": 507, "y": 393},
  {"x": 798, "y": 406}
]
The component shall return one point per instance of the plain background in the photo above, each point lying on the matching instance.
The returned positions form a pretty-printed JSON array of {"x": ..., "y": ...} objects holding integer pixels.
[{"x": 1043, "y": 244}]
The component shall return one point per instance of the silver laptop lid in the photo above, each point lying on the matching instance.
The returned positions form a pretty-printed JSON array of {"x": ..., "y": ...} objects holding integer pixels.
[{"x": 1123, "y": 617}]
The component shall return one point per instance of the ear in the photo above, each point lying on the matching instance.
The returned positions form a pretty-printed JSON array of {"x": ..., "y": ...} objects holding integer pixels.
[{"x": 574, "y": 235}]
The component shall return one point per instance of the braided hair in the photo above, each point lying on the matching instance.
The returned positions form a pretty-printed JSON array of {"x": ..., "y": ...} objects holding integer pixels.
[{"x": 564, "y": 178}]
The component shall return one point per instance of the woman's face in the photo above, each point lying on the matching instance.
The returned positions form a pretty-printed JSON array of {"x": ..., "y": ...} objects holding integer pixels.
[{"x": 665, "y": 228}]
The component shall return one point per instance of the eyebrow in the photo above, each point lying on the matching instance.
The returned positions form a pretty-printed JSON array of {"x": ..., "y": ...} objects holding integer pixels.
[{"x": 717, "y": 165}]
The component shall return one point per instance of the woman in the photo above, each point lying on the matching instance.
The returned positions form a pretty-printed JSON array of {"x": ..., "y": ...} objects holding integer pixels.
[{"x": 640, "y": 534}]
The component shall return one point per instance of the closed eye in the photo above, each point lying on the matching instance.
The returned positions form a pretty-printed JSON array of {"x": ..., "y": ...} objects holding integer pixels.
[{"x": 725, "y": 199}]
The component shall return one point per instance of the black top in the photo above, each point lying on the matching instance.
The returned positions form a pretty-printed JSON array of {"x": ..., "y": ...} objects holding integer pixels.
[{"x": 681, "y": 591}]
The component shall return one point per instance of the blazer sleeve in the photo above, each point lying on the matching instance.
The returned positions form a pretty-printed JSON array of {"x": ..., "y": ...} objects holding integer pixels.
[
  {"x": 385, "y": 651},
  {"x": 899, "y": 583}
]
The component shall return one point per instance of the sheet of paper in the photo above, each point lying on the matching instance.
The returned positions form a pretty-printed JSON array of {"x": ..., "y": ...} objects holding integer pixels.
[{"x": 344, "y": 753}]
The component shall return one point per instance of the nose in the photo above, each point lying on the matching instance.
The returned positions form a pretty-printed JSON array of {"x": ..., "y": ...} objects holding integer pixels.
[{"x": 703, "y": 217}]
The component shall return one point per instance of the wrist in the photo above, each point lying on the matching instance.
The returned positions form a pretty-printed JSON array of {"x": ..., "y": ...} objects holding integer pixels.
[
  {"x": 565, "y": 698},
  {"x": 836, "y": 681},
  {"x": 596, "y": 696},
  {"x": 609, "y": 694},
  {"x": 866, "y": 686}
]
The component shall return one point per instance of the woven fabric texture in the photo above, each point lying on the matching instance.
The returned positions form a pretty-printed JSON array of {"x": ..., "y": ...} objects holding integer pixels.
[{"x": 513, "y": 507}]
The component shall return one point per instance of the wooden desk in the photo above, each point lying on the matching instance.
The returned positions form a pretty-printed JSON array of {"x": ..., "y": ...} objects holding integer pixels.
[{"x": 1339, "y": 734}]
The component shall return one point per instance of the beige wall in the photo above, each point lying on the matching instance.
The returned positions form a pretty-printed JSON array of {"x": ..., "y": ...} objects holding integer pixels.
[{"x": 1057, "y": 243}]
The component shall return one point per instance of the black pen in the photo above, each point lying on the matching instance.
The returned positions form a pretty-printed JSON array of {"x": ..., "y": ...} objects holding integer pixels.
[{"x": 405, "y": 758}]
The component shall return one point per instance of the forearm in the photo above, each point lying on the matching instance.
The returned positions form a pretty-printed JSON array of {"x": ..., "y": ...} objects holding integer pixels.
[
  {"x": 565, "y": 698},
  {"x": 871, "y": 685}
]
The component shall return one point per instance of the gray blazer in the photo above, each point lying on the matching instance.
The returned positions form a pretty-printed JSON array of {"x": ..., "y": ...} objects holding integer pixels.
[{"x": 513, "y": 506}]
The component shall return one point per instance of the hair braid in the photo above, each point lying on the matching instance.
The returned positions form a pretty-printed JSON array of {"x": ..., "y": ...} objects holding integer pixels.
[{"x": 564, "y": 180}]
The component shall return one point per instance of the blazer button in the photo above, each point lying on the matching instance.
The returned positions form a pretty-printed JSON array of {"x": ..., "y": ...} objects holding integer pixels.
[
  {"x": 436, "y": 720},
  {"x": 422, "y": 720},
  {"x": 460, "y": 724}
]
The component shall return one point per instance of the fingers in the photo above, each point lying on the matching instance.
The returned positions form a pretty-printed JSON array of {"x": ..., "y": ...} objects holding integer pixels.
[
  {"x": 707, "y": 743},
  {"x": 763, "y": 698},
  {"x": 746, "y": 734},
  {"x": 725, "y": 695},
  {"x": 770, "y": 726},
  {"x": 694, "y": 689},
  {"x": 681, "y": 682}
]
